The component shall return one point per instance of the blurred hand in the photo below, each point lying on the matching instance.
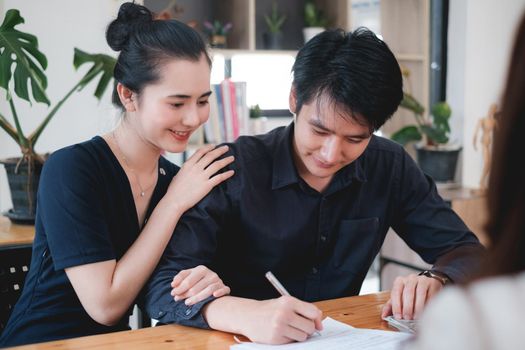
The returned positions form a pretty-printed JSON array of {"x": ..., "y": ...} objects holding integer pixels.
[
  {"x": 409, "y": 296},
  {"x": 198, "y": 175},
  {"x": 197, "y": 284}
]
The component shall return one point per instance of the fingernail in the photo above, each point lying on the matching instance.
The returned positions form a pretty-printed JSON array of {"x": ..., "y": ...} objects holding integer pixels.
[
  {"x": 397, "y": 316},
  {"x": 176, "y": 298},
  {"x": 187, "y": 301}
]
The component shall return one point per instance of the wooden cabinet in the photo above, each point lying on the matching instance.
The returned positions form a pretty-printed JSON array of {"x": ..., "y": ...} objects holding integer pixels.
[
  {"x": 247, "y": 17},
  {"x": 404, "y": 25}
]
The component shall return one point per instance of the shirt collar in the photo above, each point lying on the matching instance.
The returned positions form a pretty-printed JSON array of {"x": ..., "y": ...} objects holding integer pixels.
[{"x": 285, "y": 172}]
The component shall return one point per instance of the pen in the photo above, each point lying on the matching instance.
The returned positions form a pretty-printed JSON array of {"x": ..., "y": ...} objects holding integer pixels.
[
  {"x": 280, "y": 288},
  {"x": 276, "y": 284}
]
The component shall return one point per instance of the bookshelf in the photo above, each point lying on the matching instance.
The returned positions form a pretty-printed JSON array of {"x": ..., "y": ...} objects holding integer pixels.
[{"x": 403, "y": 24}]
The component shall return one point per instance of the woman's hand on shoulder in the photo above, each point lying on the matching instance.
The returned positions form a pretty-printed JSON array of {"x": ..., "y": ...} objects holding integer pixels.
[
  {"x": 198, "y": 175},
  {"x": 197, "y": 284}
]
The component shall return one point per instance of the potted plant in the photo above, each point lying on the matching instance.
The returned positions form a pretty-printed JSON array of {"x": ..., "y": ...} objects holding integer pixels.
[
  {"x": 435, "y": 155},
  {"x": 314, "y": 20},
  {"x": 257, "y": 121},
  {"x": 19, "y": 50},
  {"x": 217, "y": 33},
  {"x": 272, "y": 39}
]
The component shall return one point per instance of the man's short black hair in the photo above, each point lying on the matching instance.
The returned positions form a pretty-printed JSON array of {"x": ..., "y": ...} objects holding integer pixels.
[{"x": 355, "y": 71}]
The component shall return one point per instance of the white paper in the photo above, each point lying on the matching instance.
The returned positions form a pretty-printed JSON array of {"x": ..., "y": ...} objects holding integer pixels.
[{"x": 337, "y": 335}]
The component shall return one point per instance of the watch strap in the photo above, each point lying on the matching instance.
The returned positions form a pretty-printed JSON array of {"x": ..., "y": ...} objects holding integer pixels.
[{"x": 436, "y": 275}]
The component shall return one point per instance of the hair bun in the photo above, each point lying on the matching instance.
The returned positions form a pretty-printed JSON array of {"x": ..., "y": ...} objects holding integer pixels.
[{"x": 120, "y": 29}]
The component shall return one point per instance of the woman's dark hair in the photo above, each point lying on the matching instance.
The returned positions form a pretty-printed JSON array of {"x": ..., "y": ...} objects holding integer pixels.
[
  {"x": 145, "y": 43},
  {"x": 356, "y": 71},
  {"x": 506, "y": 192}
]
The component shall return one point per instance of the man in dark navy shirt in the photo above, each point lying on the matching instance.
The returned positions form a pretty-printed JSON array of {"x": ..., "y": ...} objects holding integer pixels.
[{"x": 312, "y": 202}]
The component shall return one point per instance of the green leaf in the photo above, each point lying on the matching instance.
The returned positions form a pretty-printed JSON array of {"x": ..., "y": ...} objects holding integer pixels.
[
  {"x": 436, "y": 135},
  {"x": 441, "y": 110},
  {"x": 409, "y": 102},
  {"x": 441, "y": 123},
  {"x": 441, "y": 113},
  {"x": 21, "y": 49},
  {"x": 275, "y": 20},
  {"x": 313, "y": 17},
  {"x": 407, "y": 134},
  {"x": 102, "y": 65}
]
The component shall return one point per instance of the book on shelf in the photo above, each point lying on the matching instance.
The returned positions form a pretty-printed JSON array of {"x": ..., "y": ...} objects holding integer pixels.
[{"x": 229, "y": 113}]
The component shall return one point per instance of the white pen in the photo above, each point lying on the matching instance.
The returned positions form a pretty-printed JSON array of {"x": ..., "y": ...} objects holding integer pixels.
[
  {"x": 276, "y": 284},
  {"x": 280, "y": 288}
]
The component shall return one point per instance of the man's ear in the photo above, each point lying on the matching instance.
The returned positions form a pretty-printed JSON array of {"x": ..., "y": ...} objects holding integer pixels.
[
  {"x": 292, "y": 100},
  {"x": 127, "y": 97}
]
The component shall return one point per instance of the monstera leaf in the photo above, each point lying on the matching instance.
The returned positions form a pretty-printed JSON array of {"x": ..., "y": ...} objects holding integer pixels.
[
  {"x": 21, "y": 49},
  {"x": 103, "y": 65}
]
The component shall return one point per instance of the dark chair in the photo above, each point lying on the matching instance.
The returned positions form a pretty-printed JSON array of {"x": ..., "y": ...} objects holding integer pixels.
[
  {"x": 143, "y": 320},
  {"x": 14, "y": 265}
]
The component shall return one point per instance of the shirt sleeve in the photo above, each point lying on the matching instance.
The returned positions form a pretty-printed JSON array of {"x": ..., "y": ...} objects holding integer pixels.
[
  {"x": 194, "y": 242},
  {"x": 430, "y": 227},
  {"x": 69, "y": 204}
]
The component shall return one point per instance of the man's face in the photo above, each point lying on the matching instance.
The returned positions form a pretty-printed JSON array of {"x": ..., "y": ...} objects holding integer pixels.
[{"x": 325, "y": 140}]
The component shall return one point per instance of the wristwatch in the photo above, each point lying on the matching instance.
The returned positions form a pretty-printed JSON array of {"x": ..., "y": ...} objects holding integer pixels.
[{"x": 440, "y": 277}]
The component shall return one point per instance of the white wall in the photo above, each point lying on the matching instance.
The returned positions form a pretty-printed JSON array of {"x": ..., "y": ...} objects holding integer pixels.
[
  {"x": 60, "y": 26},
  {"x": 481, "y": 34}
]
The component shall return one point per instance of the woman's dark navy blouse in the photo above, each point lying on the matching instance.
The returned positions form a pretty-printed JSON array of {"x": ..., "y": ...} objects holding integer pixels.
[{"x": 85, "y": 214}]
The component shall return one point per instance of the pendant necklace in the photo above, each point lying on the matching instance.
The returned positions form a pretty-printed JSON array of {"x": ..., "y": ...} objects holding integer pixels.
[{"x": 142, "y": 190}]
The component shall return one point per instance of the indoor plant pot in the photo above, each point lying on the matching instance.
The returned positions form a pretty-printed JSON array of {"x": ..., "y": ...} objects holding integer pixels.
[
  {"x": 23, "y": 184},
  {"x": 272, "y": 39},
  {"x": 438, "y": 163},
  {"x": 310, "y": 32}
]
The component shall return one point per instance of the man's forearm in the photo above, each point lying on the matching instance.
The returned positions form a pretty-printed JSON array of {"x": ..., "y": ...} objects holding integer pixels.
[
  {"x": 227, "y": 313},
  {"x": 460, "y": 263}
]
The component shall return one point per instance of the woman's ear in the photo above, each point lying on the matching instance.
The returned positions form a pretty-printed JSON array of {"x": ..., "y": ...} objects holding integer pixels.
[
  {"x": 127, "y": 98},
  {"x": 292, "y": 101}
]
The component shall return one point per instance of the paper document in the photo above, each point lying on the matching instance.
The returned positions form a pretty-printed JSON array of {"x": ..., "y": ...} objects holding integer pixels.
[{"x": 337, "y": 335}]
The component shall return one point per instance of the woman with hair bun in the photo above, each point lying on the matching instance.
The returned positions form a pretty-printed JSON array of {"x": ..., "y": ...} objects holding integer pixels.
[{"x": 107, "y": 207}]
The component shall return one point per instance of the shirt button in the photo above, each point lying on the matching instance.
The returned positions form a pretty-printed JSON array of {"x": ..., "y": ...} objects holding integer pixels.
[
  {"x": 314, "y": 270},
  {"x": 161, "y": 313},
  {"x": 323, "y": 238}
]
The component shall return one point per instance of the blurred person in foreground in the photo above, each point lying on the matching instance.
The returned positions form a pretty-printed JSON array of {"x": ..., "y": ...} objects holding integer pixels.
[{"x": 488, "y": 312}]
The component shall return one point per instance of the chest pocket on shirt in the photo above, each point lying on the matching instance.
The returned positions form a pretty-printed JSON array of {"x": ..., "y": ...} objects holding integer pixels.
[{"x": 355, "y": 244}]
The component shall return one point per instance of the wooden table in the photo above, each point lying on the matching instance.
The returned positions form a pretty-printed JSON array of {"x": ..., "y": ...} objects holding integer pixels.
[
  {"x": 359, "y": 311},
  {"x": 15, "y": 235}
]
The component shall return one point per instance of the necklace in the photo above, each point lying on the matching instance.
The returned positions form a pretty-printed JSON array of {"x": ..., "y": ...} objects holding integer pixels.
[{"x": 142, "y": 190}]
